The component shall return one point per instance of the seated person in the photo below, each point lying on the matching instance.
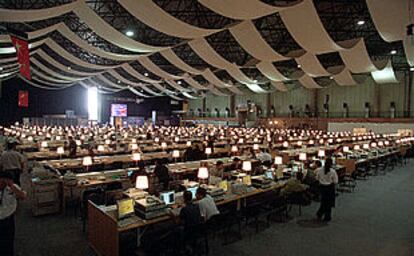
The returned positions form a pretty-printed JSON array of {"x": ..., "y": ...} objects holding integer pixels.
[
  {"x": 189, "y": 154},
  {"x": 218, "y": 170},
  {"x": 235, "y": 165},
  {"x": 161, "y": 171},
  {"x": 206, "y": 204},
  {"x": 198, "y": 154},
  {"x": 294, "y": 184},
  {"x": 264, "y": 157}
]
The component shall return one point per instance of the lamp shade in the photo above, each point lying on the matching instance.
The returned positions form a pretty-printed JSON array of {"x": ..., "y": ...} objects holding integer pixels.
[
  {"x": 87, "y": 161},
  {"x": 380, "y": 143},
  {"x": 107, "y": 142},
  {"x": 30, "y": 138},
  {"x": 234, "y": 148},
  {"x": 134, "y": 140},
  {"x": 365, "y": 146},
  {"x": 311, "y": 142},
  {"x": 321, "y": 153},
  {"x": 374, "y": 144},
  {"x": 247, "y": 166},
  {"x": 357, "y": 147},
  {"x": 176, "y": 153},
  {"x": 60, "y": 150},
  {"x": 345, "y": 149},
  {"x": 202, "y": 173},
  {"x": 300, "y": 143},
  {"x": 208, "y": 151},
  {"x": 57, "y": 137},
  {"x": 302, "y": 156},
  {"x": 101, "y": 148},
  {"x": 285, "y": 144},
  {"x": 321, "y": 141},
  {"x": 134, "y": 146},
  {"x": 176, "y": 139},
  {"x": 387, "y": 143},
  {"x": 136, "y": 156},
  {"x": 256, "y": 146},
  {"x": 278, "y": 160},
  {"x": 141, "y": 182},
  {"x": 78, "y": 142},
  {"x": 188, "y": 143},
  {"x": 241, "y": 141},
  {"x": 43, "y": 144},
  {"x": 157, "y": 140},
  {"x": 164, "y": 144}
]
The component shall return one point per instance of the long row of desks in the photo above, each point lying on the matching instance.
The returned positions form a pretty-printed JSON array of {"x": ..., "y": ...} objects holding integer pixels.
[{"x": 104, "y": 231}]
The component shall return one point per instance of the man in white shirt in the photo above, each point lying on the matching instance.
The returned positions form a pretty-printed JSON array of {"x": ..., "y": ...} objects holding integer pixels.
[
  {"x": 9, "y": 193},
  {"x": 327, "y": 178},
  {"x": 264, "y": 156},
  {"x": 12, "y": 161},
  {"x": 206, "y": 204}
]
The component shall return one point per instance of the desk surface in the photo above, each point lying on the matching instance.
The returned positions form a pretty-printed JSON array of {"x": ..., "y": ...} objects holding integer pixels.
[{"x": 228, "y": 199}]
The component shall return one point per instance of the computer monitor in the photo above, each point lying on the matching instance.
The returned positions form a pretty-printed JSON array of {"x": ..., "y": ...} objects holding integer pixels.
[
  {"x": 125, "y": 208},
  {"x": 193, "y": 191},
  {"x": 269, "y": 175},
  {"x": 168, "y": 197}
]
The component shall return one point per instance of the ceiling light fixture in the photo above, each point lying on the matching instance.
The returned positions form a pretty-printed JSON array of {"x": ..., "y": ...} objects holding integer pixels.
[
  {"x": 393, "y": 52},
  {"x": 145, "y": 74},
  {"x": 129, "y": 33},
  {"x": 119, "y": 82},
  {"x": 179, "y": 82},
  {"x": 299, "y": 66},
  {"x": 412, "y": 69},
  {"x": 361, "y": 22}
]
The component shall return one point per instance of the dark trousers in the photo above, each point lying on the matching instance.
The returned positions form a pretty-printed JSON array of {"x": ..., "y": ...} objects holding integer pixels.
[
  {"x": 16, "y": 175},
  {"x": 327, "y": 202},
  {"x": 7, "y": 227}
]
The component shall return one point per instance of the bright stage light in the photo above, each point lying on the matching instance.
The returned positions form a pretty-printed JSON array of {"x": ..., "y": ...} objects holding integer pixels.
[{"x": 93, "y": 103}]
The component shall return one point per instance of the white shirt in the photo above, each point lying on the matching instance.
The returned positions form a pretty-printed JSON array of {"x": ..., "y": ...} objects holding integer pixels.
[
  {"x": 10, "y": 160},
  {"x": 207, "y": 207},
  {"x": 263, "y": 157},
  {"x": 8, "y": 203},
  {"x": 326, "y": 179}
]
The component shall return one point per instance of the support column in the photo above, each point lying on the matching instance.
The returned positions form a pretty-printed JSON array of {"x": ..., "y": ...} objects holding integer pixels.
[
  {"x": 407, "y": 93},
  {"x": 315, "y": 103},
  {"x": 377, "y": 100},
  {"x": 268, "y": 100},
  {"x": 204, "y": 103},
  {"x": 232, "y": 99}
]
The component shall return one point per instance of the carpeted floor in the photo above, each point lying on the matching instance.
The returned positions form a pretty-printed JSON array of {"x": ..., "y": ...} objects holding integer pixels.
[{"x": 376, "y": 220}]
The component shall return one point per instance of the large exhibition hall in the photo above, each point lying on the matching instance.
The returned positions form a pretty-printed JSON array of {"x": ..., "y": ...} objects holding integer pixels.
[{"x": 206, "y": 127}]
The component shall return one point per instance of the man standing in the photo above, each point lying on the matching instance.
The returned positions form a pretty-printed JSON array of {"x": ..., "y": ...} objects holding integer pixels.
[
  {"x": 12, "y": 161},
  {"x": 9, "y": 193}
]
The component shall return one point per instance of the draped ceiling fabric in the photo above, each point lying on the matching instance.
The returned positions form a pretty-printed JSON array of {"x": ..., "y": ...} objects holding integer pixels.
[
  {"x": 152, "y": 15},
  {"x": 308, "y": 82},
  {"x": 280, "y": 86},
  {"x": 241, "y": 9},
  {"x": 305, "y": 26},
  {"x": 310, "y": 65},
  {"x": 250, "y": 39},
  {"x": 385, "y": 75},
  {"x": 270, "y": 71},
  {"x": 107, "y": 32},
  {"x": 357, "y": 59},
  {"x": 391, "y": 19},
  {"x": 170, "y": 55},
  {"x": 7, "y": 15}
]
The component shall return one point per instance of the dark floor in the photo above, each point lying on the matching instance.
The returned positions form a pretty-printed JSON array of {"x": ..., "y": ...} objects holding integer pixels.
[{"x": 376, "y": 220}]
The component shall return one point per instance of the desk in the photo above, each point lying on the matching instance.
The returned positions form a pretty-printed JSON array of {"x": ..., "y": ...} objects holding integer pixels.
[{"x": 103, "y": 230}]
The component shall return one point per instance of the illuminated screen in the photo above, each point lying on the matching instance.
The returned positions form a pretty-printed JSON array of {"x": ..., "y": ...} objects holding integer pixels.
[
  {"x": 125, "y": 207},
  {"x": 119, "y": 110}
]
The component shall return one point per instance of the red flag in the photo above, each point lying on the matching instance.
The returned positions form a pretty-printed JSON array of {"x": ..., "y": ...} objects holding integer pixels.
[
  {"x": 23, "y": 99},
  {"x": 22, "y": 49}
]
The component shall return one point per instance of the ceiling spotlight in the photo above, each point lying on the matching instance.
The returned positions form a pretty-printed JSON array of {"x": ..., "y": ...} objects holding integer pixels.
[
  {"x": 145, "y": 74},
  {"x": 1, "y": 68},
  {"x": 69, "y": 68},
  {"x": 331, "y": 77},
  {"x": 299, "y": 66},
  {"x": 412, "y": 69},
  {"x": 361, "y": 22},
  {"x": 129, "y": 33},
  {"x": 179, "y": 82},
  {"x": 119, "y": 82},
  {"x": 255, "y": 81},
  {"x": 393, "y": 52}
]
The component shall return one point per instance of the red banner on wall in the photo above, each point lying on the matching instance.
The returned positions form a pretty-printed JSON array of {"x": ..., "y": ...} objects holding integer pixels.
[
  {"x": 23, "y": 57},
  {"x": 23, "y": 99}
]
